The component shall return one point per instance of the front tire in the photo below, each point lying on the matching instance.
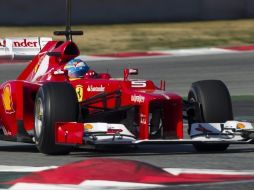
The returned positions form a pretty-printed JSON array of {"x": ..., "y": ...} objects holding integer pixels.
[
  {"x": 215, "y": 107},
  {"x": 55, "y": 102}
]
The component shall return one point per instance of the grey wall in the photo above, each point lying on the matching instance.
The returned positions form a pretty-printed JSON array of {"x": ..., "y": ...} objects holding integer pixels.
[{"x": 27, "y": 12}]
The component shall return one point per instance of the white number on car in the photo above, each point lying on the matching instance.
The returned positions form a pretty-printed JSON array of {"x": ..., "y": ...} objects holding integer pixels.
[{"x": 138, "y": 84}]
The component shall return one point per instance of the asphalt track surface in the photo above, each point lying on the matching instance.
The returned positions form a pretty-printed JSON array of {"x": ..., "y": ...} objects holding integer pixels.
[{"x": 236, "y": 70}]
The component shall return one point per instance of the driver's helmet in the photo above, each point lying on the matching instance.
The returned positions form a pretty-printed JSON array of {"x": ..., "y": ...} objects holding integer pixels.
[{"x": 76, "y": 68}]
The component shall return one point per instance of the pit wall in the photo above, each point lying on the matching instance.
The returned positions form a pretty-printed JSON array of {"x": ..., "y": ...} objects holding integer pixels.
[{"x": 52, "y": 12}]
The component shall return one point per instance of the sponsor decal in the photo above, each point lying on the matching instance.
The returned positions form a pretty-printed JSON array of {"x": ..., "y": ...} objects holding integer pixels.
[
  {"x": 240, "y": 126},
  {"x": 143, "y": 119},
  {"x": 138, "y": 84},
  {"x": 92, "y": 88},
  {"x": 2, "y": 43},
  {"x": 137, "y": 99},
  {"x": 114, "y": 131},
  {"x": 79, "y": 91},
  {"x": 88, "y": 126},
  {"x": 25, "y": 43},
  {"x": 7, "y": 99}
]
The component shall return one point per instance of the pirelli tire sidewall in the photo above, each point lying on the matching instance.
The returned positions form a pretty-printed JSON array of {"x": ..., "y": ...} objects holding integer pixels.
[
  {"x": 60, "y": 104},
  {"x": 215, "y": 107}
]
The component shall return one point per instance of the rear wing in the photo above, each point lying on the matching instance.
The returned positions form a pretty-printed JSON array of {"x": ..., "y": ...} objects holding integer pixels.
[{"x": 21, "y": 48}]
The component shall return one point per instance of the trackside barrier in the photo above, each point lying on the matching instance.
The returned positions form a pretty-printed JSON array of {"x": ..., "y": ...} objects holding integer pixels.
[
  {"x": 48, "y": 12},
  {"x": 21, "y": 48}
]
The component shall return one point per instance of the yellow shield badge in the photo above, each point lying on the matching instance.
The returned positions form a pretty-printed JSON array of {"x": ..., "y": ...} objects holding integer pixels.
[
  {"x": 79, "y": 91},
  {"x": 7, "y": 99}
]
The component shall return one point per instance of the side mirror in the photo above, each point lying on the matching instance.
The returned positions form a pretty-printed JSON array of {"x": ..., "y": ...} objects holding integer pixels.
[{"x": 128, "y": 72}]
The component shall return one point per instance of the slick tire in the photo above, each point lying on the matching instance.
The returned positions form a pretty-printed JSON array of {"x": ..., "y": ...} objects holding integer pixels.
[
  {"x": 55, "y": 102},
  {"x": 215, "y": 107}
]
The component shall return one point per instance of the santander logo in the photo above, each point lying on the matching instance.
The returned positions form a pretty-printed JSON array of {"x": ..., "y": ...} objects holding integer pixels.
[
  {"x": 25, "y": 43},
  {"x": 92, "y": 88},
  {"x": 20, "y": 43}
]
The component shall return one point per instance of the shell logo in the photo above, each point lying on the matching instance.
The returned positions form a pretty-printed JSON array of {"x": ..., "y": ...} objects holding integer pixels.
[
  {"x": 7, "y": 99},
  {"x": 240, "y": 126},
  {"x": 88, "y": 126},
  {"x": 79, "y": 92}
]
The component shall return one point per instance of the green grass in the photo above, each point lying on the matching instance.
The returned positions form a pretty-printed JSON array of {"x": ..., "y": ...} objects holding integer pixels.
[{"x": 152, "y": 36}]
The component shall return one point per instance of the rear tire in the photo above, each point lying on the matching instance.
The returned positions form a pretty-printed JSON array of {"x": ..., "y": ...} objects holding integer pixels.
[
  {"x": 55, "y": 102},
  {"x": 215, "y": 107}
]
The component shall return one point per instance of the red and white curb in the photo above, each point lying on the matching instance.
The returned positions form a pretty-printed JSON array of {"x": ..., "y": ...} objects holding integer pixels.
[
  {"x": 173, "y": 171},
  {"x": 170, "y": 53},
  {"x": 117, "y": 174},
  {"x": 135, "y": 55}
]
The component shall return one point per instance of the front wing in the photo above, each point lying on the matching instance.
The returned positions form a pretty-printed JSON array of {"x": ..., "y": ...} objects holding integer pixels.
[{"x": 84, "y": 134}]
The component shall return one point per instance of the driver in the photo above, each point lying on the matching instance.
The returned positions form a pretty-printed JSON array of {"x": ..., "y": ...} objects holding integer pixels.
[{"x": 76, "y": 68}]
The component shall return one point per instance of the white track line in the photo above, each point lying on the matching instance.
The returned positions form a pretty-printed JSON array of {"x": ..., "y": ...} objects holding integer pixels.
[
  {"x": 198, "y": 51},
  {"x": 5, "y": 168},
  {"x": 177, "y": 171},
  {"x": 174, "y": 171},
  {"x": 89, "y": 184}
]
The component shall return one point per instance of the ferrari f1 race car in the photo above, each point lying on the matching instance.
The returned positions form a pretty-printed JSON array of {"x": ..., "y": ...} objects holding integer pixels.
[{"x": 48, "y": 106}]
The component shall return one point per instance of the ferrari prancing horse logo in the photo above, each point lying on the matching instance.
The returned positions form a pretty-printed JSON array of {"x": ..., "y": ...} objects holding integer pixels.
[
  {"x": 7, "y": 99},
  {"x": 79, "y": 91}
]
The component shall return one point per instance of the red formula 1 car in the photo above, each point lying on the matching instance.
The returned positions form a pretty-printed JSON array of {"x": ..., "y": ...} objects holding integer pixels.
[{"x": 47, "y": 106}]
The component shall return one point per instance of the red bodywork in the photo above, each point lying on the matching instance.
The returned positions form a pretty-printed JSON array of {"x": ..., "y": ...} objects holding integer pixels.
[{"x": 17, "y": 99}]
